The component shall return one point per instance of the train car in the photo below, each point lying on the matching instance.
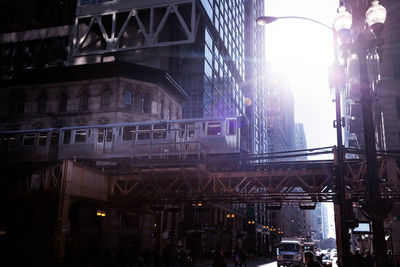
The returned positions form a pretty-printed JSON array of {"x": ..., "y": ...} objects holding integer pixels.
[
  {"x": 156, "y": 139},
  {"x": 29, "y": 145}
]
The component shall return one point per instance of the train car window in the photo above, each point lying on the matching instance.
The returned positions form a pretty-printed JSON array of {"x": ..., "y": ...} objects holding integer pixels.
[
  {"x": 231, "y": 127},
  {"x": 4, "y": 141},
  {"x": 128, "y": 133},
  {"x": 80, "y": 136},
  {"x": 214, "y": 128},
  {"x": 11, "y": 141},
  {"x": 191, "y": 127},
  {"x": 42, "y": 138},
  {"x": 54, "y": 139},
  {"x": 144, "y": 132},
  {"x": 181, "y": 130},
  {"x": 109, "y": 135},
  {"x": 160, "y": 131},
  {"x": 29, "y": 139},
  {"x": 100, "y": 137},
  {"x": 67, "y": 137}
]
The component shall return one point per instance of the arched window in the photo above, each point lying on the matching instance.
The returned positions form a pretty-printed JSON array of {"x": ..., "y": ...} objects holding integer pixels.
[
  {"x": 84, "y": 101},
  {"x": 42, "y": 104},
  {"x": 137, "y": 102},
  {"x": 128, "y": 99},
  {"x": 106, "y": 99},
  {"x": 147, "y": 103},
  {"x": 12, "y": 103},
  {"x": 169, "y": 113},
  {"x": 162, "y": 109},
  {"x": 62, "y": 102},
  {"x": 21, "y": 103}
]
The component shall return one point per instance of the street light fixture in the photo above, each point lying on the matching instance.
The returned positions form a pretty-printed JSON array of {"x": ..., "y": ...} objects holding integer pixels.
[
  {"x": 375, "y": 17},
  {"x": 375, "y": 208}
]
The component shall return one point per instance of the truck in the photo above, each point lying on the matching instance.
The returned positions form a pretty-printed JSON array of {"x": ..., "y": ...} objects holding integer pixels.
[{"x": 290, "y": 252}]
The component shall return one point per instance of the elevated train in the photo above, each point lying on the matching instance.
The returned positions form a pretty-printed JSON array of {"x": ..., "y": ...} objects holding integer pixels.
[{"x": 151, "y": 139}]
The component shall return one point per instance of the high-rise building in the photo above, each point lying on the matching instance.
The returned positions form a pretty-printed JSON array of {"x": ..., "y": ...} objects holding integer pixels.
[
  {"x": 280, "y": 105},
  {"x": 301, "y": 141}
]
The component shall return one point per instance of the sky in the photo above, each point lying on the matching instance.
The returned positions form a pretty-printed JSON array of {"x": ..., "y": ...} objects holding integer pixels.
[{"x": 303, "y": 50}]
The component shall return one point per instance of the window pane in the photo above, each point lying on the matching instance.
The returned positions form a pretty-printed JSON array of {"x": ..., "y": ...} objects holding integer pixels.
[
  {"x": 137, "y": 102},
  {"x": 160, "y": 131},
  {"x": 67, "y": 137},
  {"x": 128, "y": 98},
  {"x": 109, "y": 135},
  {"x": 29, "y": 139},
  {"x": 62, "y": 102},
  {"x": 42, "y": 139},
  {"x": 147, "y": 103},
  {"x": 144, "y": 132},
  {"x": 42, "y": 106},
  {"x": 162, "y": 109},
  {"x": 80, "y": 136},
  {"x": 105, "y": 100},
  {"x": 128, "y": 133},
  {"x": 84, "y": 101},
  {"x": 100, "y": 137},
  {"x": 231, "y": 127},
  {"x": 214, "y": 128}
]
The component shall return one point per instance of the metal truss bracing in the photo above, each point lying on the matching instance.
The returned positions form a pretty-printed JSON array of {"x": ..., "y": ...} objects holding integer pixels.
[
  {"x": 311, "y": 181},
  {"x": 136, "y": 28},
  {"x": 286, "y": 184},
  {"x": 42, "y": 180},
  {"x": 219, "y": 181},
  {"x": 355, "y": 174}
]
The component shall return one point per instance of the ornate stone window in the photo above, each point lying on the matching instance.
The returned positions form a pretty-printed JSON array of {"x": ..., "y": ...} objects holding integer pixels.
[
  {"x": 147, "y": 103},
  {"x": 42, "y": 103},
  {"x": 127, "y": 99},
  {"x": 62, "y": 102},
  {"x": 162, "y": 109},
  {"x": 84, "y": 101},
  {"x": 106, "y": 99},
  {"x": 138, "y": 102}
]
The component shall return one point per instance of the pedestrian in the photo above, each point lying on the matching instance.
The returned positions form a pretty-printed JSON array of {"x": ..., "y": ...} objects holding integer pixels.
[
  {"x": 367, "y": 260},
  {"x": 243, "y": 258},
  {"x": 310, "y": 261},
  {"x": 236, "y": 258},
  {"x": 219, "y": 260}
]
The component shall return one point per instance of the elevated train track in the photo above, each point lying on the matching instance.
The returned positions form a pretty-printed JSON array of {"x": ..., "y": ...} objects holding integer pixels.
[{"x": 245, "y": 179}]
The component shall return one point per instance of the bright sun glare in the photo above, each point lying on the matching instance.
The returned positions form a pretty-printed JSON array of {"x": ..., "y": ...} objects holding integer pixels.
[{"x": 302, "y": 51}]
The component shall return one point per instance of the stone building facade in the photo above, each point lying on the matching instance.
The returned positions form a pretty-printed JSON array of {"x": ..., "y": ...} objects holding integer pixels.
[{"x": 50, "y": 98}]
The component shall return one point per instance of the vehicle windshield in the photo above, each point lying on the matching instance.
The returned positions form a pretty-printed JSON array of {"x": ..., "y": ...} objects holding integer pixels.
[{"x": 289, "y": 247}]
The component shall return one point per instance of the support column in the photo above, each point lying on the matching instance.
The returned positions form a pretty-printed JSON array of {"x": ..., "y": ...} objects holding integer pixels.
[{"x": 63, "y": 211}]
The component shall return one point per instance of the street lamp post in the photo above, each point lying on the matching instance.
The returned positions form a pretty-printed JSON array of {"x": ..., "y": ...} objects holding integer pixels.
[
  {"x": 343, "y": 239},
  {"x": 375, "y": 208}
]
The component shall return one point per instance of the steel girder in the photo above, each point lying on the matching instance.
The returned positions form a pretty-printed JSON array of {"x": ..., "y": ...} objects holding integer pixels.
[
  {"x": 130, "y": 28},
  {"x": 187, "y": 181}
]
